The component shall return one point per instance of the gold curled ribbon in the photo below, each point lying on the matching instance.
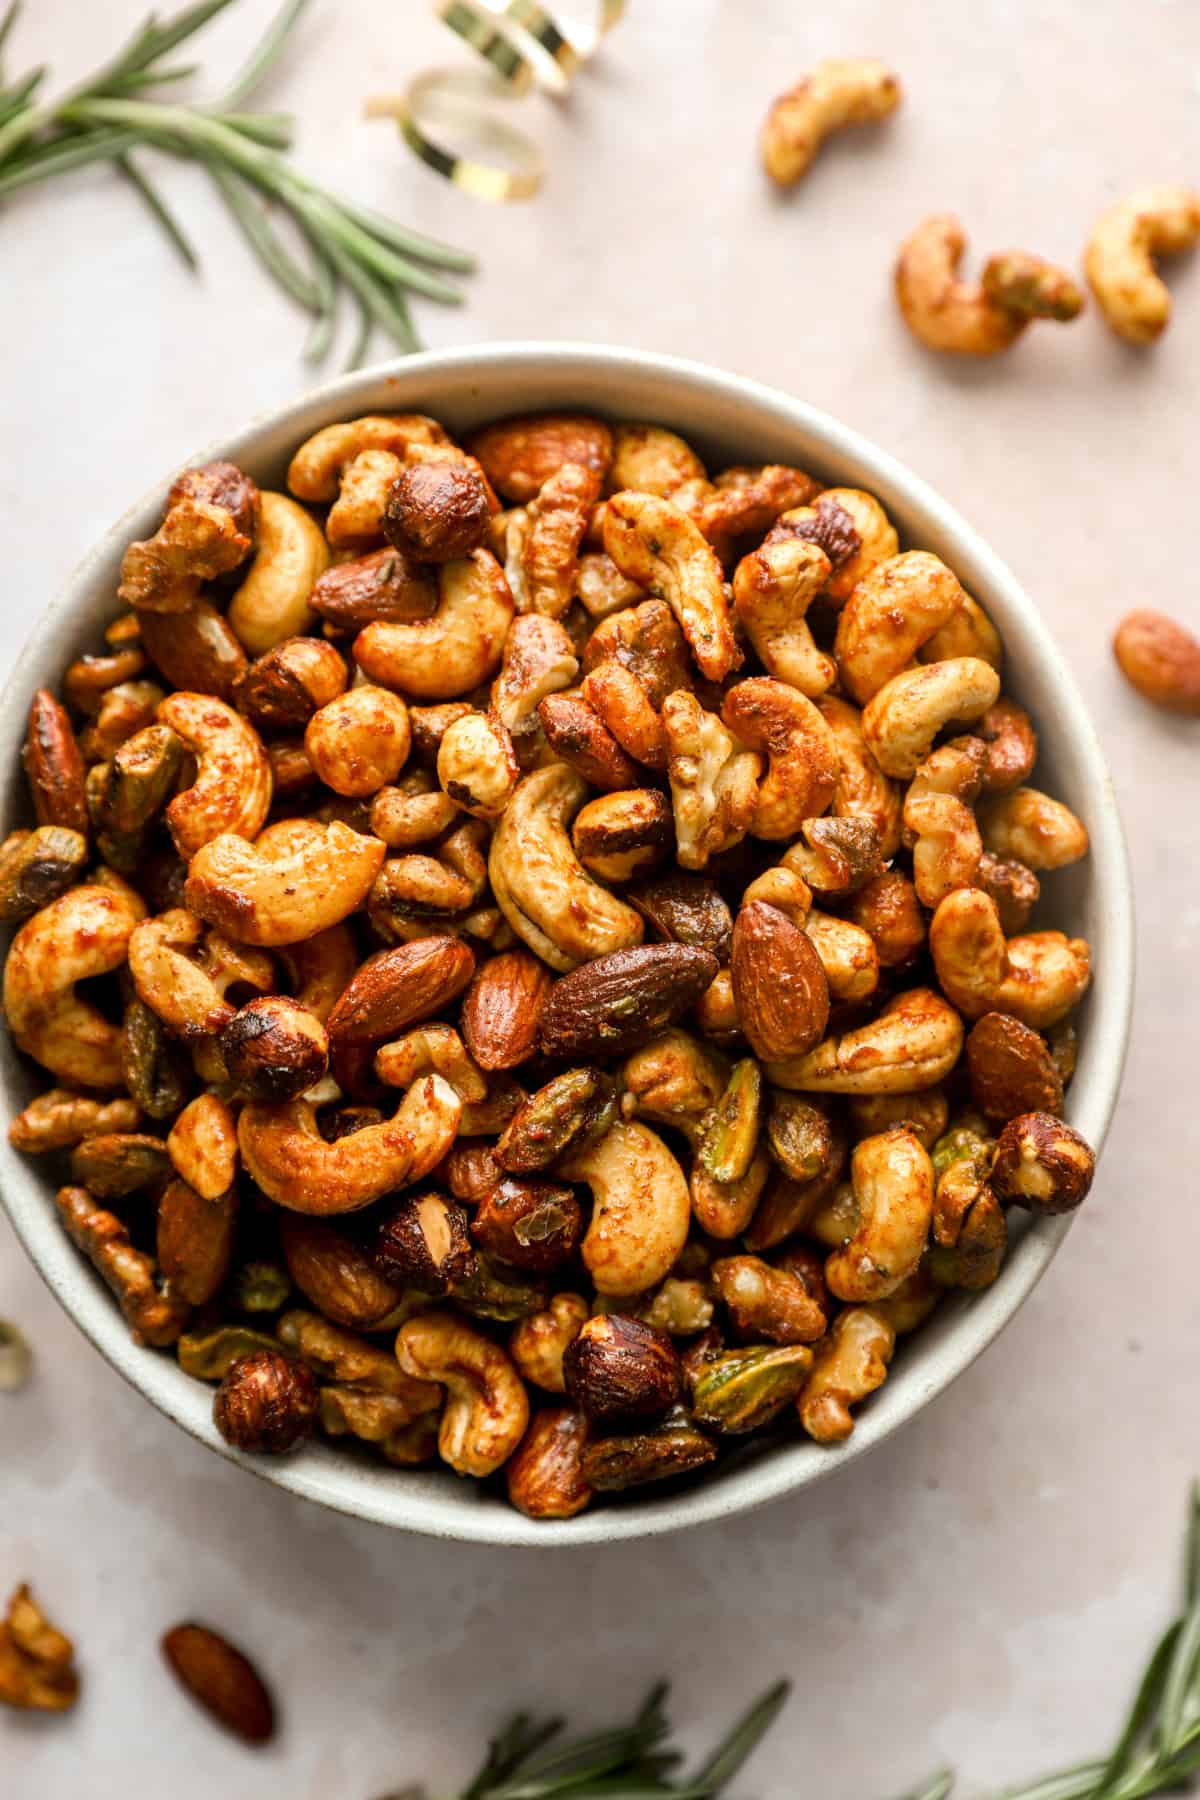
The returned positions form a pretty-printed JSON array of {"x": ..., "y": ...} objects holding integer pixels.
[{"x": 523, "y": 46}]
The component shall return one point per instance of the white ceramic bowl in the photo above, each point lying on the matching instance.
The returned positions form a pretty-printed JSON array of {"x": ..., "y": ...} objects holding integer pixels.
[{"x": 729, "y": 420}]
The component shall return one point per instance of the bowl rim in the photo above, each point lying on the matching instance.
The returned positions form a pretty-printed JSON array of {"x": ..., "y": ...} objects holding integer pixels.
[{"x": 356, "y": 1493}]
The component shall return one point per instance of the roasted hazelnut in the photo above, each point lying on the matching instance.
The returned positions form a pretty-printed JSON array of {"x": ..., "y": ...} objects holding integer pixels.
[
  {"x": 437, "y": 511},
  {"x": 530, "y": 1224},
  {"x": 471, "y": 1170},
  {"x": 618, "y": 1368},
  {"x": 544, "y": 1476},
  {"x": 1042, "y": 1164},
  {"x": 425, "y": 1244},
  {"x": 274, "y": 1048},
  {"x": 221, "y": 484},
  {"x": 267, "y": 1401}
]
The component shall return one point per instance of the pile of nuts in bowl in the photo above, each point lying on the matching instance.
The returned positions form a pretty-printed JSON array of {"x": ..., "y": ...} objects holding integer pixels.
[{"x": 530, "y": 942}]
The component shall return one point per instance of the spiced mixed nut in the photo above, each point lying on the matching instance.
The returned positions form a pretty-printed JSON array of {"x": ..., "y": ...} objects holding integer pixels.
[{"x": 528, "y": 941}]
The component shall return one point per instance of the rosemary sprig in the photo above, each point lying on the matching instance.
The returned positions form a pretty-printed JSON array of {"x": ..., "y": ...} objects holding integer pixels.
[
  {"x": 343, "y": 250},
  {"x": 633, "y": 1761},
  {"x": 1157, "y": 1750}
]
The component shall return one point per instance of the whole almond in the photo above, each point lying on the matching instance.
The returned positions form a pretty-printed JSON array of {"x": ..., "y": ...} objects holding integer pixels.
[
  {"x": 1161, "y": 659},
  {"x": 610, "y": 1005},
  {"x": 54, "y": 765},
  {"x": 336, "y": 1274},
  {"x": 195, "y": 1240},
  {"x": 502, "y": 1009},
  {"x": 221, "y": 1680},
  {"x": 779, "y": 985},
  {"x": 393, "y": 990}
]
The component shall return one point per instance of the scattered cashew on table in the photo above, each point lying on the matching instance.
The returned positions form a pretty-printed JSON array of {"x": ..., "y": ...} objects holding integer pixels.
[{"x": 557, "y": 922}]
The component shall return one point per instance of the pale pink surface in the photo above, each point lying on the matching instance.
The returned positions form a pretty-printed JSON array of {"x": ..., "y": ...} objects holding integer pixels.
[{"x": 980, "y": 1590}]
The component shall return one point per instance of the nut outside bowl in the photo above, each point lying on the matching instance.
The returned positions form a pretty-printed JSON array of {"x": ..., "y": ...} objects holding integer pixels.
[{"x": 735, "y": 420}]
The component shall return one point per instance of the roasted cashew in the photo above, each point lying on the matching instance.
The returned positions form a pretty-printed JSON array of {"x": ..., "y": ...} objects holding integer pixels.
[
  {"x": 773, "y": 588},
  {"x": 892, "y": 1178},
  {"x": 849, "y": 1363},
  {"x": 678, "y": 1081},
  {"x": 656, "y": 544},
  {"x": 232, "y": 789},
  {"x": 539, "y": 659},
  {"x": 641, "y": 1209},
  {"x": 1119, "y": 263},
  {"x": 181, "y": 972},
  {"x": 283, "y": 1151},
  {"x": 316, "y": 468},
  {"x": 893, "y": 611},
  {"x": 414, "y": 812},
  {"x": 538, "y": 1343},
  {"x": 902, "y": 720},
  {"x": 1033, "y": 829},
  {"x": 355, "y": 520},
  {"x": 969, "y": 633},
  {"x": 272, "y": 603},
  {"x": 914, "y": 1043},
  {"x": 840, "y": 91},
  {"x": 202, "y": 1144},
  {"x": 299, "y": 878},
  {"x": 431, "y": 1050},
  {"x": 358, "y": 742},
  {"x": 848, "y": 955},
  {"x": 82, "y": 934},
  {"x": 540, "y": 885},
  {"x": 714, "y": 781},
  {"x": 455, "y": 650},
  {"x": 651, "y": 460},
  {"x": 851, "y": 528},
  {"x": 802, "y": 761},
  {"x": 1038, "y": 978},
  {"x": 975, "y": 318},
  {"x": 487, "y": 1408},
  {"x": 938, "y": 817},
  {"x": 863, "y": 790}
]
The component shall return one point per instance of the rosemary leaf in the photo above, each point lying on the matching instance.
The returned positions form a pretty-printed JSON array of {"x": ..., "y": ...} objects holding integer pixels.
[
  {"x": 1078, "y": 1783},
  {"x": 159, "y": 210},
  {"x": 732, "y": 1752},
  {"x": 938, "y": 1788},
  {"x": 267, "y": 51},
  {"x": 12, "y": 13},
  {"x": 1141, "y": 1713},
  {"x": 257, "y": 230},
  {"x": 114, "y": 111},
  {"x": 1177, "y": 1710}
]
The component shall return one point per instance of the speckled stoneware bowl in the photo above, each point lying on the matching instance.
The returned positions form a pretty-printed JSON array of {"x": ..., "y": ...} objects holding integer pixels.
[{"x": 730, "y": 420}]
